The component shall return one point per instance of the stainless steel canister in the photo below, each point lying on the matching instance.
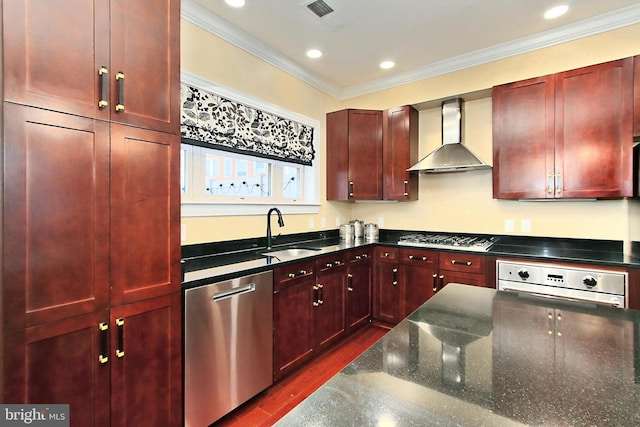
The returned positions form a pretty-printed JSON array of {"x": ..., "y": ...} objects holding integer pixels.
[
  {"x": 358, "y": 228},
  {"x": 371, "y": 232},
  {"x": 347, "y": 232}
]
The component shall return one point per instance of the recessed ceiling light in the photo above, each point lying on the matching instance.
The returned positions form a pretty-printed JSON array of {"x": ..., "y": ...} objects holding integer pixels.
[
  {"x": 235, "y": 3},
  {"x": 387, "y": 64},
  {"x": 556, "y": 11},
  {"x": 314, "y": 53}
]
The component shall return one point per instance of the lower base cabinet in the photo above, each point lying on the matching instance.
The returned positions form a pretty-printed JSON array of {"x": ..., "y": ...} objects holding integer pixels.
[
  {"x": 120, "y": 367},
  {"x": 359, "y": 278}
]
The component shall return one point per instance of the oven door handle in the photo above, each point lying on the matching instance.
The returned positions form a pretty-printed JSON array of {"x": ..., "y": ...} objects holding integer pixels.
[{"x": 562, "y": 298}]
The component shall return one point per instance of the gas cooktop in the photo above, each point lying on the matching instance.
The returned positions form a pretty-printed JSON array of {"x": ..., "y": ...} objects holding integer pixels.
[{"x": 448, "y": 241}]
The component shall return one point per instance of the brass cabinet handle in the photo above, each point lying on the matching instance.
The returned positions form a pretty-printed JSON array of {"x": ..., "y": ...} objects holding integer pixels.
[
  {"x": 453, "y": 261},
  {"x": 406, "y": 189},
  {"x": 395, "y": 277},
  {"x": 299, "y": 273},
  {"x": 435, "y": 284},
  {"x": 350, "y": 282},
  {"x": 120, "y": 81},
  {"x": 320, "y": 299},
  {"x": 104, "y": 341},
  {"x": 550, "y": 183},
  {"x": 315, "y": 296},
  {"x": 120, "y": 349},
  {"x": 104, "y": 101},
  {"x": 423, "y": 258},
  {"x": 350, "y": 188},
  {"x": 558, "y": 184}
]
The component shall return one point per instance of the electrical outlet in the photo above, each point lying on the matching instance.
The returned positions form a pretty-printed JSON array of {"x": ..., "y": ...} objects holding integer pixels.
[
  {"x": 380, "y": 222},
  {"x": 338, "y": 221},
  {"x": 525, "y": 225},
  {"x": 323, "y": 222},
  {"x": 312, "y": 223},
  {"x": 183, "y": 232},
  {"x": 509, "y": 225}
]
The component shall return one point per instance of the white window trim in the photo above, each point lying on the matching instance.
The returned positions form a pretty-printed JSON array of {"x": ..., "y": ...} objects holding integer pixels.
[{"x": 312, "y": 173}]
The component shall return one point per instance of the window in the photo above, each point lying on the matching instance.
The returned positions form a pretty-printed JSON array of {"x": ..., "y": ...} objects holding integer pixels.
[
  {"x": 232, "y": 180},
  {"x": 220, "y": 178}
]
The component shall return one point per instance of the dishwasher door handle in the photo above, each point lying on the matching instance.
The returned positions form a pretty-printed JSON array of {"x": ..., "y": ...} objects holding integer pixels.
[{"x": 251, "y": 287}]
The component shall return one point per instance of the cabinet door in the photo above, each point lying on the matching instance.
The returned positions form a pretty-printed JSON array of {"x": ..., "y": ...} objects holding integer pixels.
[
  {"x": 146, "y": 364},
  {"x": 636, "y": 96},
  {"x": 358, "y": 293},
  {"x": 52, "y": 54},
  {"x": 418, "y": 269},
  {"x": 400, "y": 145},
  {"x": 386, "y": 293},
  {"x": 145, "y": 47},
  {"x": 329, "y": 311},
  {"x": 56, "y": 216},
  {"x": 293, "y": 319},
  {"x": 593, "y": 131},
  {"x": 59, "y": 363},
  {"x": 365, "y": 155},
  {"x": 523, "y": 139},
  {"x": 145, "y": 214}
]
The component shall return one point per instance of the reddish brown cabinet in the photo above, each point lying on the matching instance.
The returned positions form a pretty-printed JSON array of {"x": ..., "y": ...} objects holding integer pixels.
[
  {"x": 400, "y": 151},
  {"x": 465, "y": 268},
  {"x": 91, "y": 210},
  {"x": 369, "y": 152},
  {"x": 354, "y": 155},
  {"x": 386, "y": 289},
  {"x": 636, "y": 96},
  {"x": 110, "y": 60},
  {"x": 567, "y": 135},
  {"x": 359, "y": 278},
  {"x": 330, "y": 300}
]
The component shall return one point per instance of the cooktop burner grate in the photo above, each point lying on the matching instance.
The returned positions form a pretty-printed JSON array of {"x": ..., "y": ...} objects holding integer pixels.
[{"x": 448, "y": 241}]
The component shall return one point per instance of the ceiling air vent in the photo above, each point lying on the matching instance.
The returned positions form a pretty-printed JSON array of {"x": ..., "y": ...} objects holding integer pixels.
[{"x": 320, "y": 8}]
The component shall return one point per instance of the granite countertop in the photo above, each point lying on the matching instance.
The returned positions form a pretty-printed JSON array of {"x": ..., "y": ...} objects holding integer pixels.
[
  {"x": 218, "y": 261},
  {"x": 475, "y": 356}
]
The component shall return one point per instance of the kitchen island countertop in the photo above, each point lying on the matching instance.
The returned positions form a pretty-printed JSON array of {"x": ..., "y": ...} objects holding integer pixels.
[{"x": 479, "y": 357}]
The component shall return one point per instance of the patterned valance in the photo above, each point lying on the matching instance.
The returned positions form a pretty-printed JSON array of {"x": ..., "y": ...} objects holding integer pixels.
[{"x": 214, "y": 121}]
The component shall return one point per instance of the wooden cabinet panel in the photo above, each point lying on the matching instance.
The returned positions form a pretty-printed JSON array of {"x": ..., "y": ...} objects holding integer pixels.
[
  {"x": 386, "y": 292},
  {"x": 418, "y": 270},
  {"x": 354, "y": 155},
  {"x": 56, "y": 216},
  {"x": 145, "y": 213},
  {"x": 58, "y": 363},
  {"x": 359, "y": 278},
  {"x": 53, "y": 57},
  {"x": 146, "y": 377},
  {"x": 593, "y": 131},
  {"x": 329, "y": 312},
  {"x": 293, "y": 274},
  {"x": 523, "y": 139},
  {"x": 400, "y": 145},
  {"x": 293, "y": 334},
  {"x": 565, "y": 136},
  {"x": 151, "y": 83},
  {"x": 52, "y": 54}
]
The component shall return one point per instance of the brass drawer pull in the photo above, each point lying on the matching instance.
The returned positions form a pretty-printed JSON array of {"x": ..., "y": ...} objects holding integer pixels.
[
  {"x": 453, "y": 261},
  {"x": 299, "y": 273},
  {"x": 424, "y": 258}
]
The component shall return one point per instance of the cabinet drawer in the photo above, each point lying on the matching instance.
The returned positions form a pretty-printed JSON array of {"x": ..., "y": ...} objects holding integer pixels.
[
  {"x": 359, "y": 255},
  {"x": 383, "y": 253},
  {"x": 418, "y": 256},
  {"x": 293, "y": 274},
  {"x": 331, "y": 262},
  {"x": 455, "y": 261}
]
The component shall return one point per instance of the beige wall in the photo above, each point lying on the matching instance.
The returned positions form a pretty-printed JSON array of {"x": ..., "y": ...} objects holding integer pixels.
[{"x": 447, "y": 202}]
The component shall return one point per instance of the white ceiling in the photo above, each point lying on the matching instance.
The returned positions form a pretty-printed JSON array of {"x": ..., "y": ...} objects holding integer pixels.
[{"x": 423, "y": 37}]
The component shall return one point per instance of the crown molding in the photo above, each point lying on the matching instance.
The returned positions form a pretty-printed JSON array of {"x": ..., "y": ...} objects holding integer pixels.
[{"x": 210, "y": 22}]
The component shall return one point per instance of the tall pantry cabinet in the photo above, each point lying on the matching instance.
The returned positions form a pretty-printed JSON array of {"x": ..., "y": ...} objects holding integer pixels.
[{"x": 91, "y": 308}]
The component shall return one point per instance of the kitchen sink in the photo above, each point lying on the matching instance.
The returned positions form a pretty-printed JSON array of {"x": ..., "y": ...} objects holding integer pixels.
[{"x": 291, "y": 252}]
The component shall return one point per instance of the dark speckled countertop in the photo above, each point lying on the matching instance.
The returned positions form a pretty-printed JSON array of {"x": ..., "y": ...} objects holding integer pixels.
[{"x": 479, "y": 357}]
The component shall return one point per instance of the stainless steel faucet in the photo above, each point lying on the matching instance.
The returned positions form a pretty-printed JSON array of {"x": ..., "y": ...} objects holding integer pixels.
[{"x": 280, "y": 223}]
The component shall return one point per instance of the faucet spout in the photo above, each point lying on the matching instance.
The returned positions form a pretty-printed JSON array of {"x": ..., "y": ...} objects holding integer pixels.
[{"x": 280, "y": 223}]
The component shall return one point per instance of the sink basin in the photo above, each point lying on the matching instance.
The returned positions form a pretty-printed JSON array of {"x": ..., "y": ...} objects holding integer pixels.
[{"x": 291, "y": 252}]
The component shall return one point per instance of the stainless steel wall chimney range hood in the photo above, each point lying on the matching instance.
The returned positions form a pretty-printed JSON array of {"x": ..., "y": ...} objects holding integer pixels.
[{"x": 452, "y": 155}]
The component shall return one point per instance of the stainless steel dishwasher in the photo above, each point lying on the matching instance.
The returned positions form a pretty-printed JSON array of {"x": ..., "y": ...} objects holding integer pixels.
[{"x": 228, "y": 346}]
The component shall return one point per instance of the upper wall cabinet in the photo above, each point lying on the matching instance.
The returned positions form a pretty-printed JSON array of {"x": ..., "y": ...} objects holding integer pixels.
[
  {"x": 369, "y": 152},
  {"x": 567, "y": 135},
  {"x": 113, "y": 60}
]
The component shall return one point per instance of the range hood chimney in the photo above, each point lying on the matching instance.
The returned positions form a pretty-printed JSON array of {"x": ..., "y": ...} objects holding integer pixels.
[{"x": 452, "y": 155}]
